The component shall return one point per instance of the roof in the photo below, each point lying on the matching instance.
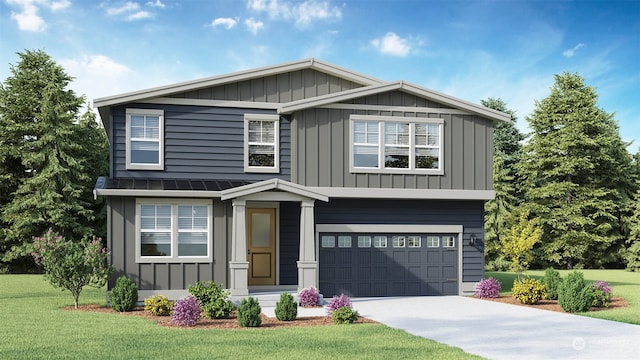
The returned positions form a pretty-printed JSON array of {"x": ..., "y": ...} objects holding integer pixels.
[
  {"x": 311, "y": 63},
  {"x": 163, "y": 187},
  {"x": 272, "y": 184}
]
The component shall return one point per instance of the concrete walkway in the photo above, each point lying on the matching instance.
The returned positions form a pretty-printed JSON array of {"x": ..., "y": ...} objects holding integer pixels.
[{"x": 503, "y": 331}]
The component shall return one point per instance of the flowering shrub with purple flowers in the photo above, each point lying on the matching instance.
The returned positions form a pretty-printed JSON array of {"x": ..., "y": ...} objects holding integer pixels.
[
  {"x": 601, "y": 294},
  {"x": 186, "y": 312},
  {"x": 309, "y": 297},
  {"x": 488, "y": 288},
  {"x": 71, "y": 265},
  {"x": 337, "y": 302}
]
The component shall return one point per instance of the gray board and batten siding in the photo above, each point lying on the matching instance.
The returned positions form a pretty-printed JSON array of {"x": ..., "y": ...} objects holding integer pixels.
[
  {"x": 200, "y": 142},
  {"x": 469, "y": 214},
  {"x": 321, "y": 156},
  {"x": 280, "y": 88}
]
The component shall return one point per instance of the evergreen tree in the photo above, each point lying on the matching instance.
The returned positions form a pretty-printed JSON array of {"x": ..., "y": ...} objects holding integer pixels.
[
  {"x": 572, "y": 160},
  {"x": 507, "y": 152},
  {"x": 632, "y": 253},
  {"x": 52, "y": 154}
]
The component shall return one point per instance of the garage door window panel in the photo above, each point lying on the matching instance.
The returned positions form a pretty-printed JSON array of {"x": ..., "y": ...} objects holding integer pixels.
[
  {"x": 448, "y": 241},
  {"x": 364, "y": 241},
  {"x": 399, "y": 241},
  {"x": 380, "y": 241},
  {"x": 344, "y": 241},
  {"x": 328, "y": 241}
]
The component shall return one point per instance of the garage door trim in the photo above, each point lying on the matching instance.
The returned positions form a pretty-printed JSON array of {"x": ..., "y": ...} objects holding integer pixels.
[{"x": 396, "y": 228}]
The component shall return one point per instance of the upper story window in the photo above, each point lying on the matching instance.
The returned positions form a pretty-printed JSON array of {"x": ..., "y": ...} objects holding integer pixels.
[
  {"x": 385, "y": 144},
  {"x": 171, "y": 231},
  {"x": 262, "y": 143},
  {"x": 145, "y": 139}
]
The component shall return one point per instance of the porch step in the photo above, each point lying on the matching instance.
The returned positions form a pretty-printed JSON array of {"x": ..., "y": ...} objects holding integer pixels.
[{"x": 268, "y": 299}]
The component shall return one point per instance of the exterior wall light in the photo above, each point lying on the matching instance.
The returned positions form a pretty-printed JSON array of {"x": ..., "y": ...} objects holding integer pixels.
[{"x": 472, "y": 239}]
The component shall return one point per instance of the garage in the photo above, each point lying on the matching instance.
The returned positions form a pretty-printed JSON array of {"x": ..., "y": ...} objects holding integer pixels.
[{"x": 388, "y": 263}]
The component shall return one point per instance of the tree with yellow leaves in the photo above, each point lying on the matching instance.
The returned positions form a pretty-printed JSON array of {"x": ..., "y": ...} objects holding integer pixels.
[{"x": 518, "y": 244}]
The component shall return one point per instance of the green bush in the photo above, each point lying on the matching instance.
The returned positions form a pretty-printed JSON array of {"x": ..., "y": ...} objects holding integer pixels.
[
  {"x": 158, "y": 305},
  {"x": 574, "y": 293},
  {"x": 213, "y": 299},
  {"x": 552, "y": 280},
  {"x": 249, "y": 313},
  {"x": 345, "y": 315},
  {"x": 124, "y": 295},
  {"x": 286, "y": 308},
  {"x": 528, "y": 291}
]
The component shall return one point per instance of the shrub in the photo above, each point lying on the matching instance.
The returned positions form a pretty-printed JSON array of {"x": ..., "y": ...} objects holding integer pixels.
[
  {"x": 601, "y": 294},
  {"x": 487, "y": 288},
  {"x": 158, "y": 305},
  {"x": 186, "y": 312},
  {"x": 72, "y": 265},
  {"x": 574, "y": 294},
  {"x": 249, "y": 313},
  {"x": 124, "y": 295},
  {"x": 309, "y": 297},
  {"x": 337, "y": 302},
  {"x": 552, "y": 280},
  {"x": 286, "y": 308},
  {"x": 528, "y": 291},
  {"x": 344, "y": 315},
  {"x": 214, "y": 300}
]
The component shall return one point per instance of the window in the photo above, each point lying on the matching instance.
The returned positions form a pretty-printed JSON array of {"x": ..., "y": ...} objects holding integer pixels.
[
  {"x": 385, "y": 144},
  {"x": 261, "y": 133},
  {"x": 433, "y": 241},
  {"x": 344, "y": 241},
  {"x": 380, "y": 241},
  {"x": 145, "y": 139},
  {"x": 398, "y": 241},
  {"x": 448, "y": 241},
  {"x": 170, "y": 231},
  {"x": 328, "y": 241},
  {"x": 364, "y": 241},
  {"x": 414, "y": 241}
]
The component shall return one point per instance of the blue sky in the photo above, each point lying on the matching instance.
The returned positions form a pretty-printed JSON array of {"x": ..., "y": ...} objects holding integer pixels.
[{"x": 469, "y": 49}]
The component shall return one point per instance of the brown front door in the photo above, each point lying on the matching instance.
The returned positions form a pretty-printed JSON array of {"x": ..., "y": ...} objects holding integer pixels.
[{"x": 261, "y": 246}]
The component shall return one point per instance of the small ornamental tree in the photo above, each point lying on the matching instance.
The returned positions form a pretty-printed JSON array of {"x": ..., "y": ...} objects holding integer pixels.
[
  {"x": 71, "y": 265},
  {"x": 517, "y": 245}
]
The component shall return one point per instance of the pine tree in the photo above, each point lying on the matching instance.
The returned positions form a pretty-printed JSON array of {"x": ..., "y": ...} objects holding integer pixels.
[
  {"x": 506, "y": 155},
  {"x": 632, "y": 253},
  {"x": 572, "y": 159},
  {"x": 51, "y": 151}
]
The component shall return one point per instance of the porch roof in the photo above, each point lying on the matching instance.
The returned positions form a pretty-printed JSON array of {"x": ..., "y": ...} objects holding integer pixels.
[{"x": 272, "y": 184}]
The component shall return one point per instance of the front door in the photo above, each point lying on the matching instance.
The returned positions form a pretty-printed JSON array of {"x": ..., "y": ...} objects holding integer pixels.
[{"x": 261, "y": 246}]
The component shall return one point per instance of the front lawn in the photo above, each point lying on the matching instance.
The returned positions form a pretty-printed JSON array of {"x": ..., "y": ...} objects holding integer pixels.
[
  {"x": 625, "y": 284},
  {"x": 34, "y": 326}
]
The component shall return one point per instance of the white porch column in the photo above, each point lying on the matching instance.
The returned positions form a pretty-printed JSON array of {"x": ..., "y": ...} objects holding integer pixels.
[
  {"x": 238, "y": 264},
  {"x": 307, "y": 264}
]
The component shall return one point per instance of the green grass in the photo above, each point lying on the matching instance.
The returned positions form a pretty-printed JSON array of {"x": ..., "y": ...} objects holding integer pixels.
[
  {"x": 625, "y": 284},
  {"x": 34, "y": 327}
]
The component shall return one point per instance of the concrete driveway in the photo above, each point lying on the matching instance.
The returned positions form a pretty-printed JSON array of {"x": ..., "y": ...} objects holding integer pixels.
[{"x": 503, "y": 331}]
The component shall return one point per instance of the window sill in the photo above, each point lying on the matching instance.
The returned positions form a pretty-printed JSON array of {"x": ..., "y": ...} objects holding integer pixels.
[
  {"x": 145, "y": 167},
  {"x": 173, "y": 260},
  {"x": 396, "y": 171},
  {"x": 266, "y": 170}
]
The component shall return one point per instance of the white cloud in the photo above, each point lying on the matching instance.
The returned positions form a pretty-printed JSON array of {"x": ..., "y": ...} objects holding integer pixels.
[
  {"x": 59, "y": 5},
  {"x": 392, "y": 44},
  {"x": 130, "y": 11},
  {"x": 253, "y": 25},
  {"x": 227, "y": 23},
  {"x": 28, "y": 19},
  {"x": 570, "y": 52},
  {"x": 157, "y": 3},
  {"x": 98, "y": 75},
  {"x": 302, "y": 14}
]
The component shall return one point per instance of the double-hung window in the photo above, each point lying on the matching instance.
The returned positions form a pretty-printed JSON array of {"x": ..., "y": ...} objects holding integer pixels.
[
  {"x": 386, "y": 144},
  {"x": 169, "y": 231},
  {"x": 145, "y": 139},
  {"x": 261, "y": 150}
]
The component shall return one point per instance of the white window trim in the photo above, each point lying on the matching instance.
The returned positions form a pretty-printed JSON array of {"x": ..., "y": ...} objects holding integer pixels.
[
  {"x": 380, "y": 169},
  {"x": 276, "y": 163},
  {"x": 137, "y": 166},
  {"x": 174, "y": 232}
]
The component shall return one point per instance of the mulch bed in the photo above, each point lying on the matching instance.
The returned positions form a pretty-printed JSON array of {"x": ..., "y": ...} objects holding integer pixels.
[
  {"x": 552, "y": 305},
  {"x": 228, "y": 323}
]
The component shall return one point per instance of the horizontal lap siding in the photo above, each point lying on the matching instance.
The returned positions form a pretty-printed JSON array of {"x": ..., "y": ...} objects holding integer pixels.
[
  {"x": 323, "y": 153},
  {"x": 200, "y": 143},
  {"x": 281, "y": 88},
  {"x": 121, "y": 241},
  {"x": 469, "y": 214}
]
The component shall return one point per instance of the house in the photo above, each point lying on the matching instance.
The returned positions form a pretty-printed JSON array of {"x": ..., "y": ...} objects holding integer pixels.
[{"x": 296, "y": 175}]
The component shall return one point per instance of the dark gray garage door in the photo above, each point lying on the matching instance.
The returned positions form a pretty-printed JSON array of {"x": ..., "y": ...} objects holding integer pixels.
[{"x": 378, "y": 264}]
